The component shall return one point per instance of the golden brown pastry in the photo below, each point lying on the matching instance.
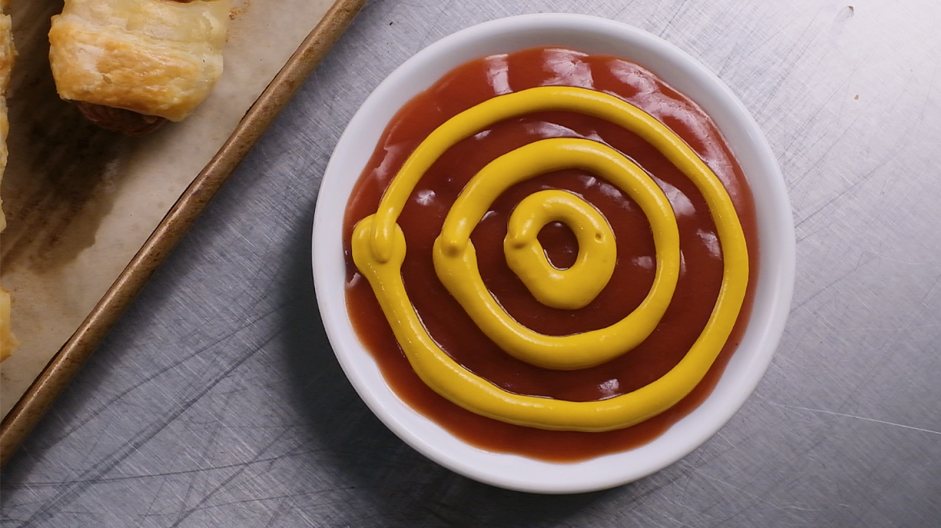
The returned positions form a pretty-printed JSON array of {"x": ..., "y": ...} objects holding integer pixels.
[
  {"x": 7, "y": 341},
  {"x": 152, "y": 57}
]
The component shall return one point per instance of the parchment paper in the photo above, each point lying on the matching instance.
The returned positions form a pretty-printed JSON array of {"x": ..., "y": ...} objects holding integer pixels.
[{"x": 81, "y": 201}]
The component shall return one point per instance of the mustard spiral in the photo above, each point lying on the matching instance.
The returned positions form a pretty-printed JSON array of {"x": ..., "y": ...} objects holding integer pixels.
[{"x": 378, "y": 247}]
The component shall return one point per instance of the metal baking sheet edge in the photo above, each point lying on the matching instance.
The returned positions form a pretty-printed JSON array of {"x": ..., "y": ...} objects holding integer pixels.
[{"x": 40, "y": 396}]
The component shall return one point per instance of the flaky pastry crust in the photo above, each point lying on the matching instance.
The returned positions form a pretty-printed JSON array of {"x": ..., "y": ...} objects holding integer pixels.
[
  {"x": 153, "y": 57},
  {"x": 7, "y": 53}
]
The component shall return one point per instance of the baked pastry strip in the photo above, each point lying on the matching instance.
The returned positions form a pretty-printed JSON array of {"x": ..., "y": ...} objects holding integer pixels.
[
  {"x": 154, "y": 57},
  {"x": 7, "y": 54}
]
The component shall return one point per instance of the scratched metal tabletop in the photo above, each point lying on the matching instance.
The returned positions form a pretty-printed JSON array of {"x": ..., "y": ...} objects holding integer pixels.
[{"x": 217, "y": 401}]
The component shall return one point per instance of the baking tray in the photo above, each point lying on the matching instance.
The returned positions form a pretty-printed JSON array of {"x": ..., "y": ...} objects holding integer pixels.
[{"x": 103, "y": 188}]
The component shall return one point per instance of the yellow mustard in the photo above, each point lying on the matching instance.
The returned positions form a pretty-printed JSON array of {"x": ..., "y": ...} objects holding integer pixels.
[
  {"x": 378, "y": 246},
  {"x": 576, "y": 286},
  {"x": 456, "y": 264}
]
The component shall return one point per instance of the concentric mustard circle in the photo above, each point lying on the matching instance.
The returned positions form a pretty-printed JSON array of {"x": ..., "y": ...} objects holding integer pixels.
[
  {"x": 456, "y": 263},
  {"x": 378, "y": 247},
  {"x": 573, "y": 287}
]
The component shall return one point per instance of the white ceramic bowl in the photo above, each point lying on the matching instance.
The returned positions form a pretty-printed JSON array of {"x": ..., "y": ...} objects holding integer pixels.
[{"x": 775, "y": 226}]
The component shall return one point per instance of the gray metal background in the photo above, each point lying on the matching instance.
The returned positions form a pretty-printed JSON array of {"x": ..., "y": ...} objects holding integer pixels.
[{"x": 216, "y": 401}]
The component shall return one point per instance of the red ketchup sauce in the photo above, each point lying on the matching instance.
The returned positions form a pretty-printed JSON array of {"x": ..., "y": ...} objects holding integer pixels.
[{"x": 422, "y": 218}]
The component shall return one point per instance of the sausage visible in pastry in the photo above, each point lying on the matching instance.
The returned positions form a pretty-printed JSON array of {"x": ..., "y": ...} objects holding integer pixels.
[{"x": 153, "y": 57}]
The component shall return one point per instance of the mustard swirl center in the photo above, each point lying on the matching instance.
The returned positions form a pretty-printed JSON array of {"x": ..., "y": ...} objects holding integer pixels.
[
  {"x": 378, "y": 247},
  {"x": 576, "y": 286}
]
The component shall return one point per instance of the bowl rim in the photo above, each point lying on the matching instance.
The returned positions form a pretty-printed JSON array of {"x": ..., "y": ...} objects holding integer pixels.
[{"x": 774, "y": 288}]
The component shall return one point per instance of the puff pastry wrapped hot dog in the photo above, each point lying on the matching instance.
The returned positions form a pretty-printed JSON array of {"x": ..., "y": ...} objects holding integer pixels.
[
  {"x": 7, "y": 341},
  {"x": 155, "y": 58}
]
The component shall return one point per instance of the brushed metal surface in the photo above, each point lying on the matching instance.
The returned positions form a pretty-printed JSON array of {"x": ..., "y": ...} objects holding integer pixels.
[{"x": 216, "y": 400}]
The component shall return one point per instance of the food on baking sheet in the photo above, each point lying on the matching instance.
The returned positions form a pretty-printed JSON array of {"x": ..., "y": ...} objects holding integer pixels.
[
  {"x": 131, "y": 64},
  {"x": 556, "y": 250},
  {"x": 7, "y": 339},
  {"x": 7, "y": 53}
]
